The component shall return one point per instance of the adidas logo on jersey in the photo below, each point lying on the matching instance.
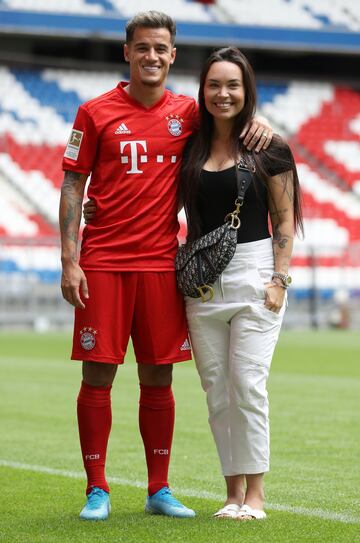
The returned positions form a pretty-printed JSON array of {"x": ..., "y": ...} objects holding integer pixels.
[
  {"x": 122, "y": 129},
  {"x": 185, "y": 346}
]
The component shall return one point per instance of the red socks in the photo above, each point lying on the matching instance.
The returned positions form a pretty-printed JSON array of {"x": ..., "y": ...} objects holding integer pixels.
[
  {"x": 94, "y": 419},
  {"x": 156, "y": 421}
]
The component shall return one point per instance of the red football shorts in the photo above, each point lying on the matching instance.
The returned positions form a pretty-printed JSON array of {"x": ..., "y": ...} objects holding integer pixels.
[{"x": 145, "y": 306}]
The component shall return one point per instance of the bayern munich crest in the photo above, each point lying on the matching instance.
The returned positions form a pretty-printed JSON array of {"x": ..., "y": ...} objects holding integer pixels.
[
  {"x": 174, "y": 124},
  {"x": 87, "y": 338}
]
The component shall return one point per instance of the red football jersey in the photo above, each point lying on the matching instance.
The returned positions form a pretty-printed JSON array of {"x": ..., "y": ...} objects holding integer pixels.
[{"x": 133, "y": 154}]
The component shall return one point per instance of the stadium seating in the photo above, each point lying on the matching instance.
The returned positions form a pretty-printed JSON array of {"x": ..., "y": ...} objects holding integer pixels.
[
  {"x": 322, "y": 14},
  {"x": 339, "y": 13},
  {"x": 36, "y": 112},
  {"x": 263, "y": 13},
  {"x": 179, "y": 9},
  {"x": 58, "y": 6},
  {"x": 326, "y": 123},
  {"x": 336, "y": 144}
]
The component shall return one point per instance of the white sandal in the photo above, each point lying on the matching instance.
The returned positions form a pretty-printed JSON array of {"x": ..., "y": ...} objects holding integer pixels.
[
  {"x": 247, "y": 511},
  {"x": 228, "y": 511}
]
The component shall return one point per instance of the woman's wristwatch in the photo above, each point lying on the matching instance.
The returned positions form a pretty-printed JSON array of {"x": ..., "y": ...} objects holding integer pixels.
[{"x": 284, "y": 278}]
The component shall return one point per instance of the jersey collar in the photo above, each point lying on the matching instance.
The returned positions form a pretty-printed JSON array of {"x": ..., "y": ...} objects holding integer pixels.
[{"x": 137, "y": 104}]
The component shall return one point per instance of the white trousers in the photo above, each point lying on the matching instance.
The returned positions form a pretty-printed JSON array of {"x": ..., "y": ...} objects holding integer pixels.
[{"x": 233, "y": 338}]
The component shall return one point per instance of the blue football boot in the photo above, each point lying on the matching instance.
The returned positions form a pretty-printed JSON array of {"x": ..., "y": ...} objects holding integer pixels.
[
  {"x": 164, "y": 503},
  {"x": 97, "y": 506}
]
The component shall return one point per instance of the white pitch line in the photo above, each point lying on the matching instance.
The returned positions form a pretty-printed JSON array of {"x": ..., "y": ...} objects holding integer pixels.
[{"x": 318, "y": 513}]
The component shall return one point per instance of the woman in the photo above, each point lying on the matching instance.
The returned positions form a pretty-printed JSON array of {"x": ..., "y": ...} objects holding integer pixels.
[{"x": 234, "y": 335}]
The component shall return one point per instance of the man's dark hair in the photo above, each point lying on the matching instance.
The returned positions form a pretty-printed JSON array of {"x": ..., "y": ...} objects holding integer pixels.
[{"x": 150, "y": 19}]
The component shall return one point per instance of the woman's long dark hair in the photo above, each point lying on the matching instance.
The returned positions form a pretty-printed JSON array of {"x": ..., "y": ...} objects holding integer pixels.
[{"x": 198, "y": 149}]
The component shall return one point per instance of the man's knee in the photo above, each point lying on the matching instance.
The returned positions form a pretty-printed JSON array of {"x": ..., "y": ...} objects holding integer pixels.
[
  {"x": 151, "y": 375},
  {"x": 98, "y": 374}
]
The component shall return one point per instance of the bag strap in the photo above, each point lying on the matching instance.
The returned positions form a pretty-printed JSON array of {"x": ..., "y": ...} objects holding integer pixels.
[{"x": 243, "y": 180}]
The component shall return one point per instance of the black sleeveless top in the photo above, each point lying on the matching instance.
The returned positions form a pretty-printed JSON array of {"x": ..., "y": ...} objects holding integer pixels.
[
  {"x": 217, "y": 191},
  {"x": 216, "y": 197},
  {"x": 217, "y": 194}
]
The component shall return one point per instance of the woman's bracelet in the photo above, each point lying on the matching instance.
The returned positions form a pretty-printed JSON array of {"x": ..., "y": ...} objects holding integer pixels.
[{"x": 283, "y": 277}]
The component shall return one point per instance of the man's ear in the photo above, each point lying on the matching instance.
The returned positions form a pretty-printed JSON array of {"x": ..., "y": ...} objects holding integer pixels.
[
  {"x": 126, "y": 52},
  {"x": 173, "y": 55}
]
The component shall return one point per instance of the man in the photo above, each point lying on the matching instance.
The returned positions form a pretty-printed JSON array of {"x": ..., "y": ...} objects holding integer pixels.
[{"x": 131, "y": 139}]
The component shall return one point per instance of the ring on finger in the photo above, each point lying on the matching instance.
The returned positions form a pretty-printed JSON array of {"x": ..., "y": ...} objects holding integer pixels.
[{"x": 264, "y": 135}]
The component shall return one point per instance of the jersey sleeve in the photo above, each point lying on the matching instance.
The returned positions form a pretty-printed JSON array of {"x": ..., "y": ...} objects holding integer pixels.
[
  {"x": 196, "y": 116},
  {"x": 81, "y": 148}
]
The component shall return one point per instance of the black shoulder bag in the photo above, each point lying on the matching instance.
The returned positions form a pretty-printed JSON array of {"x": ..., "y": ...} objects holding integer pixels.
[{"x": 199, "y": 263}]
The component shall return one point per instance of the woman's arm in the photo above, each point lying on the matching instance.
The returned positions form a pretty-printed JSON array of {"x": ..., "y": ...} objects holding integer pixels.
[{"x": 281, "y": 208}]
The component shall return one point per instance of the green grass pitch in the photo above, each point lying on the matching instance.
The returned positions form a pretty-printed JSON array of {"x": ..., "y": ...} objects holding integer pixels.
[{"x": 312, "y": 490}]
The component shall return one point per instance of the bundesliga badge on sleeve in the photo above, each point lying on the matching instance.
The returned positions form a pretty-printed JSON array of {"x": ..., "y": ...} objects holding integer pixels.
[{"x": 73, "y": 147}]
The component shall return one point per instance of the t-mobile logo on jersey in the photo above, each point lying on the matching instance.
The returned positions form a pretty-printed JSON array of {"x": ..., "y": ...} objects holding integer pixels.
[
  {"x": 136, "y": 158},
  {"x": 161, "y": 451}
]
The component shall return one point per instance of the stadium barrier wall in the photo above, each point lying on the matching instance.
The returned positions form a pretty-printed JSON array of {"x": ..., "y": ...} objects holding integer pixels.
[{"x": 30, "y": 294}]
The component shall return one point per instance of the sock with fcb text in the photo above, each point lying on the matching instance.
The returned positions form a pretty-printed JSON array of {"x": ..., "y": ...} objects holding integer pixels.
[
  {"x": 156, "y": 421},
  {"x": 94, "y": 420}
]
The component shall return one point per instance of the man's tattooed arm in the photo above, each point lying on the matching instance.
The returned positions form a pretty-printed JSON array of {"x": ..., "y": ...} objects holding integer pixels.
[
  {"x": 73, "y": 279},
  {"x": 72, "y": 193}
]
